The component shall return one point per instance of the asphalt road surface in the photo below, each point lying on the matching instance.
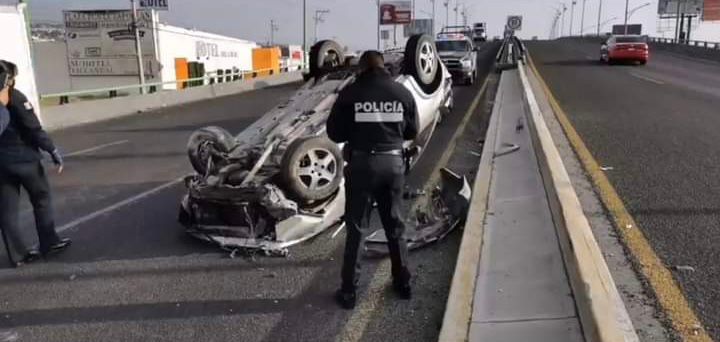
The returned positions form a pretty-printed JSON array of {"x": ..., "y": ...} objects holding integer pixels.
[
  {"x": 133, "y": 275},
  {"x": 657, "y": 127}
]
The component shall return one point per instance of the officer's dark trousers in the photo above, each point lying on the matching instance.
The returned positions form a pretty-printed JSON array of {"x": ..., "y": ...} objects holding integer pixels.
[
  {"x": 374, "y": 178},
  {"x": 30, "y": 176}
]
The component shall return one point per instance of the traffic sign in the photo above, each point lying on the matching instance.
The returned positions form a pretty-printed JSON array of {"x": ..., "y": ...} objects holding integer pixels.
[
  {"x": 514, "y": 22},
  {"x": 159, "y": 5}
]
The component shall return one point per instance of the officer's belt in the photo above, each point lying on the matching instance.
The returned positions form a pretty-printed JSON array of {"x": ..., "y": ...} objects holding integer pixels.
[{"x": 397, "y": 152}]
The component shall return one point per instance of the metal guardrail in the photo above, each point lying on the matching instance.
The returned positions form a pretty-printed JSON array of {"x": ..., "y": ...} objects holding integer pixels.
[
  {"x": 210, "y": 78},
  {"x": 697, "y": 43}
]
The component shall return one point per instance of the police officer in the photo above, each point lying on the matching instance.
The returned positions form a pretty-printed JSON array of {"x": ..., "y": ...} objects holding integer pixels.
[
  {"x": 20, "y": 166},
  {"x": 374, "y": 115},
  {"x": 4, "y": 98}
]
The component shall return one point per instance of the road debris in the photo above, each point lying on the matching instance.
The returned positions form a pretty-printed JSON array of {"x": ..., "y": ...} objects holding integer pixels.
[
  {"x": 607, "y": 168},
  {"x": 447, "y": 207},
  {"x": 685, "y": 268}
]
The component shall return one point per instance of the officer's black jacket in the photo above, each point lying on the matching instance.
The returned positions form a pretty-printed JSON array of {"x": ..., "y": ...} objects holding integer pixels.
[
  {"x": 24, "y": 137},
  {"x": 4, "y": 119},
  {"x": 375, "y": 113}
]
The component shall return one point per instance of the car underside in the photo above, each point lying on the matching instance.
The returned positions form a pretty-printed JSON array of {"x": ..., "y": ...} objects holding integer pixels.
[{"x": 280, "y": 181}]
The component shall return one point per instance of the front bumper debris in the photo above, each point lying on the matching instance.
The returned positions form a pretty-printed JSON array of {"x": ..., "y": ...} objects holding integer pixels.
[{"x": 445, "y": 211}]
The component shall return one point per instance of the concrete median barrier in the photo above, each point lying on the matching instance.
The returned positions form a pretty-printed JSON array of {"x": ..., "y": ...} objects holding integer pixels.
[
  {"x": 602, "y": 313},
  {"x": 80, "y": 113}
]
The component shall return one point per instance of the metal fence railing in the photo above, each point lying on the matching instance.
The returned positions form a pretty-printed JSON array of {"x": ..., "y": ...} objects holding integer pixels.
[
  {"x": 213, "y": 77},
  {"x": 697, "y": 43}
]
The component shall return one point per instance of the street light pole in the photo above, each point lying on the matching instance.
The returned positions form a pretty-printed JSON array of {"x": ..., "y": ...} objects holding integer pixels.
[
  {"x": 572, "y": 16},
  {"x": 432, "y": 31},
  {"x": 582, "y": 19},
  {"x": 627, "y": 4},
  {"x": 447, "y": 12},
  {"x": 273, "y": 28},
  {"x": 599, "y": 17},
  {"x": 378, "y": 25},
  {"x": 138, "y": 47},
  {"x": 304, "y": 21}
]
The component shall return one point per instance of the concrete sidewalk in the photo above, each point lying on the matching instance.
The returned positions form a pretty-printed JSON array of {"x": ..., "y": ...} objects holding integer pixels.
[{"x": 522, "y": 290}]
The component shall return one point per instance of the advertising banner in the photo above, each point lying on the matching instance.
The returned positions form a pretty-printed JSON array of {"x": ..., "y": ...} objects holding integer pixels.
[
  {"x": 395, "y": 12},
  {"x": 669, "y": 8},
  {"x": 102, "y": 43},
  {"x": 711, "y": 10}
]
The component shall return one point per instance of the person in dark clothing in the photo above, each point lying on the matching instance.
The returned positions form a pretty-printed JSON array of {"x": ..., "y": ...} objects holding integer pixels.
[
  {"x": 21, "y": 166},
  {"x": 374, "y": 116}
]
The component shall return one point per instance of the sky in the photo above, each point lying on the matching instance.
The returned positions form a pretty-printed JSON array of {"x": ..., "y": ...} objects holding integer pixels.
[{"x": 352, "y": 22}]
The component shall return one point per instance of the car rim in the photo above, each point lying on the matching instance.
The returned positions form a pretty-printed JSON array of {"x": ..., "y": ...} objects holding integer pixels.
[
  {"x": 427, "y": 58},
  {"x": 317, "y": 169},
  {"x": 331, "y": 59}
]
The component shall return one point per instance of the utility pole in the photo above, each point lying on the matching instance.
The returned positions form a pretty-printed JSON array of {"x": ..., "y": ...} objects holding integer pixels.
[
  {"x": 138, "y": 47},
  {"x": 599, "y": 18},
  {"x": 627, "y": 5},
  {"x": 582, "y": 20},
  {"x": 319, "y": 19},
  {"x": 273, "y": 27}
]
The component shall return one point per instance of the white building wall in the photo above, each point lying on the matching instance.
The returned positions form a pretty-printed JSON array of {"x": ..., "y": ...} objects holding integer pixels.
[
  {"x": 215, "y": 51},
  {"x": 16, "y": 48}
]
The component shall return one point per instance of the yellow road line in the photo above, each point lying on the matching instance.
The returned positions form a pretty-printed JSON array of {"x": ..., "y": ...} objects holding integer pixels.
[
  {"x": 357, "y": 323},
  {"x": 669, "y": 295}
]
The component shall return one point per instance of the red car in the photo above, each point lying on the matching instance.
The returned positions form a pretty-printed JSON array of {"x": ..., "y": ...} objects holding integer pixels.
[{"x": 626, "y": 49}]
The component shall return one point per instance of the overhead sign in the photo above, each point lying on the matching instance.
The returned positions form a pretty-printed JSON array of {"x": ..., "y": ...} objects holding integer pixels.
[
  {"x": 395, "y": 12},
  {"x": 669, "y": 8},
  {"x": 711, "y": 11},
  {"x": 102, "y": 43},
  {"x": 159, "y": 5},
  {"x": 514, "y": 22},
  {"x": 631, "y": 29}
]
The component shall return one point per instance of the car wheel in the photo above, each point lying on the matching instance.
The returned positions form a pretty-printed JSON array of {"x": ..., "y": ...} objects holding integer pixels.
[
  {"x": 422, "y": 62},
  {"x": 325, "y": 55},
  {"x": 643, "y": 62},
  {"x": 312, "y": 169},
  {"x": 204, "y": 143}
]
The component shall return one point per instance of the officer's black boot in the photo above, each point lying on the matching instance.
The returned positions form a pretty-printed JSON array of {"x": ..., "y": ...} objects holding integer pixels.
[
  {"x": 347, "y": 300},
  {"x": 402, "y": 289}
]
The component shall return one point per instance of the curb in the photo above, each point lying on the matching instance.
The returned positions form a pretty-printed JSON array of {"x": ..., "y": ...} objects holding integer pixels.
[
  {"x": 458, "y": 310},
  {"x": 602, "y": 313}
]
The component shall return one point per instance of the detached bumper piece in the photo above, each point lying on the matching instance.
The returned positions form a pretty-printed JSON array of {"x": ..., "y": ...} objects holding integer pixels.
[{"x": 447, "y": 208}]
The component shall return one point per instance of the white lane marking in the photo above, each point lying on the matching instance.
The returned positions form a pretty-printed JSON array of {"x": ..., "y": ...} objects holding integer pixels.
[
  {"x": 119, "y": 205},
  {"x": 645, "y": 78},
  {"x": 97, "y": 148}
]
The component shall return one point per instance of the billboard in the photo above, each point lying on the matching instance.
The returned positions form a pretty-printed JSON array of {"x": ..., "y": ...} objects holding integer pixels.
[
  {"x": 395, "y": 12},
  {"x": 102, "y": 43},
  {"x": 711, "y": 11},
  {"x": 669, "y": 8},
  {"x": 631, "y": 29}
]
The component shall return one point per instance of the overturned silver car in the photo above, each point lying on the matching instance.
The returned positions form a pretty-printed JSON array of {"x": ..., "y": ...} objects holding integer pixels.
[{"x": 280, "y": 181}]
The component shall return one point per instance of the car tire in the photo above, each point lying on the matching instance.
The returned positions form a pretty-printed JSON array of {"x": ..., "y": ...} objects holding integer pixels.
[
  {"x": 325, "y": 55},
  {"x": 202, "y": 143},
  {"x": 423, "y": 63},
  {"x": 312, "y": 169},
  {"x": 643, "y": 62}
]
